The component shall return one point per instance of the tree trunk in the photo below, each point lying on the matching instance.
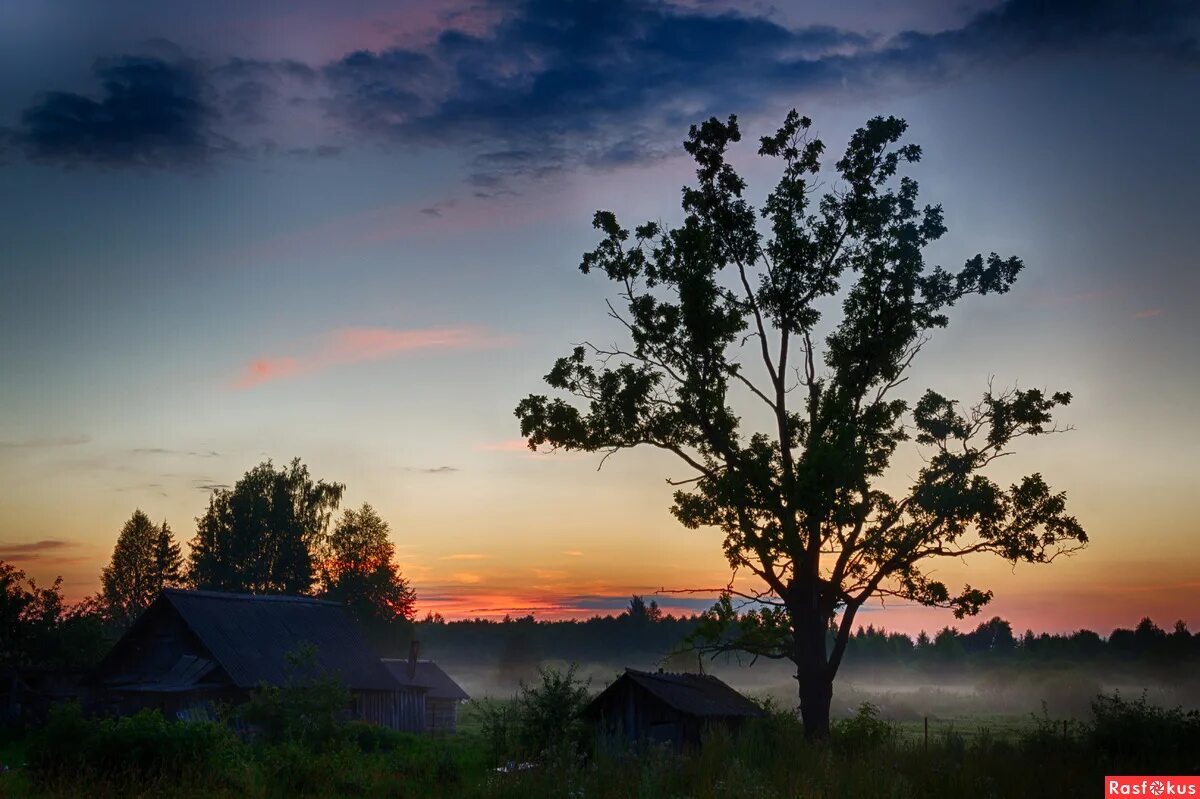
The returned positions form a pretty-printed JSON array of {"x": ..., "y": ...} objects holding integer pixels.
[
  {"x": 816, "y": 695},
  {"x": 813, "y": 673}
]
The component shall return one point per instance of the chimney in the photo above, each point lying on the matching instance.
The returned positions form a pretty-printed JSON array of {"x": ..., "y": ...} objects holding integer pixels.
[{"x": 413, "y": 649}]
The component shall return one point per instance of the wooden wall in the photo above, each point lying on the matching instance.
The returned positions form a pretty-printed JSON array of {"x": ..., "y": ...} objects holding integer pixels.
[
  {"x": 441, "y": 715},
  {"x": 398, "y": 710}
]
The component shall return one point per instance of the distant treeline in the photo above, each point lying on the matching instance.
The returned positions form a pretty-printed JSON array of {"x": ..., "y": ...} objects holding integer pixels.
[{"x": 515, "y": 645}]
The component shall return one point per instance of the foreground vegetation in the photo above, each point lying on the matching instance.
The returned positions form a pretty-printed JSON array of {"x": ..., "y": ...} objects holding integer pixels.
[{"x": 145, "y": 755}]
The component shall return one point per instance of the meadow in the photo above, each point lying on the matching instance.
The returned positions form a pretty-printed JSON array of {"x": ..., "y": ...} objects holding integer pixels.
[{"x": 535, "y": 746}]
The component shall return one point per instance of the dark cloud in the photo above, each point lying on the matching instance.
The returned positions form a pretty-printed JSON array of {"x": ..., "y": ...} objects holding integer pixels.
[
  {"x": 210, "y": 486},
  {"x": 157, "y": 488},
  {"x": 559, "y": 84},
  {"x": 547, "y": 86},
  {"x": 435, "y": 210},
  {"x": 206, "y": 453},
  {"x": 43, "y": 443},
  {"x": 251, "y": 89},
  {"x": 33, "y": 550},
  {"x": 434, "y": 469},
  {"x": 150, "y": 112},
  {"x": 620, "y": 603},
  {"x": 555, "y": 85}
]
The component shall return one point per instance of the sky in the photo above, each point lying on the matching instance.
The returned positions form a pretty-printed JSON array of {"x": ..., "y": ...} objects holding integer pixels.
[{"x": 350, "y": 233}]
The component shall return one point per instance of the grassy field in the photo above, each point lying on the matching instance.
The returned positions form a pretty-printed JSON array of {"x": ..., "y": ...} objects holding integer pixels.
[
  {"x": 967, "y": 755},
  {"x": 999, "y": 756}
]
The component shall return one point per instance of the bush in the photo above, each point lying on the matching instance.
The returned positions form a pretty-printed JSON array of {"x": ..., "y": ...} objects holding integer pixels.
[
  {"x": 367, "y": 737},
  {"x": 142, "y": 746},
  {"x": 863, "y": 731},
  {"x": 309, "y": 708},
  {"x": 1139, "y": 730},
  {"x": 550, "y": 711},
  {"x": 499, "y": 724},
  {"x": 544, "y": 720}
]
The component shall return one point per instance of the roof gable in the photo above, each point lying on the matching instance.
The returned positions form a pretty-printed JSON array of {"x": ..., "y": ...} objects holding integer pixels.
[
  {"x": 700, "y": 695},
  {"x": 437, "y": 683},
  {"x": 251, "y": 635}
]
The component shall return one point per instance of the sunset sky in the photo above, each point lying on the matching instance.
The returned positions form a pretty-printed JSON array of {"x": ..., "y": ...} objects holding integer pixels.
[{"x": 349, "y": 232}]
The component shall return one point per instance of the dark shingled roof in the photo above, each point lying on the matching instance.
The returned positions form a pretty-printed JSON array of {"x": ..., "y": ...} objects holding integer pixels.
[
  {"x": 250, "y": 635},
  {"x": 437, "y": 683},
  {"x": 699, "y": 695}
]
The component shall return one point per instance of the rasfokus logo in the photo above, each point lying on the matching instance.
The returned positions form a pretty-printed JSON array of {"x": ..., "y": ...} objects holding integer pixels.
[{"x": 1151, "y": 786}]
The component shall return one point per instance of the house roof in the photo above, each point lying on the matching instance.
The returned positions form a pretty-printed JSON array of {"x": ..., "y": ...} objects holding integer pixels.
[
  {"x": 437, "y": 683},
  {"x": 189, "y": 672},
  {"x": 249, "y": 636},
  {"x": 699, "y": 695}
]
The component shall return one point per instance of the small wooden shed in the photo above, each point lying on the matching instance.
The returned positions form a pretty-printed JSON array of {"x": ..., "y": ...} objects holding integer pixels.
[
  {"x": 658, "y": 707},
  {"x": 442, "y": 694},
  {"x": 192, "y": 649}
]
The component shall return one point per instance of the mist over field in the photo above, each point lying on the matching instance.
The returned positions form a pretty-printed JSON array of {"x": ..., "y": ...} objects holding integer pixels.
[{"x": 1017, "y": 679}]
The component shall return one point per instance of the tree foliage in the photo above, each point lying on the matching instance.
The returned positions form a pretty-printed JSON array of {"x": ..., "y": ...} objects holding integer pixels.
[
  {"x": 720, "y": 312},
  {"x": 265, "y": 535},
  {"x": 39, "y": 628},
  {"x": 361, "y": 572},
  {"x": 28, "y": 615},
  {"x": 145, "y": 560}
]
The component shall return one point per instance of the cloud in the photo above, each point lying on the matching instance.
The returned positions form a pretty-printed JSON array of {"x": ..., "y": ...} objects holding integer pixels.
[
  {"x": 529, "y": 88},
  {"x": 471, "y": 600},
  {"x": 165, "y": 451},
  {"x": 554, "y": 85},
  {"x": 157, "y": 488},
  {"x": 573, "y": 553},
  {"x": 34, "y": 550},
  {"x": 464, "y": 556},
  {"x": 356, "y": 344},
  {"x": 209, "y": 485},
  {"x": 150, "y": 112},
  {"x": 432, "y": 469},
  {"x": 1152, "y": 313},
  {"x": 38, "y": 442}
]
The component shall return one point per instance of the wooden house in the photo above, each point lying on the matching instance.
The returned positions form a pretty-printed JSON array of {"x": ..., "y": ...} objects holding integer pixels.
[
  {"x": 442, "y": 694},
  {"x": 193, "y": 649},
  {"x": 648, "y": 707}
]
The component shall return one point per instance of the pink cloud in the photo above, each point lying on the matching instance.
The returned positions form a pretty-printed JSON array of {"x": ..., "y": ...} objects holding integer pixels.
[
  {"x": 1152, "y": 313},
  {"x": 357, "y": 344}
]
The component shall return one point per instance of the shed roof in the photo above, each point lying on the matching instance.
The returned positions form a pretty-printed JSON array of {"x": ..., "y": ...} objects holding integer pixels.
[
  {"x": 437, "y": 683},
  {"x": 700, "y": 695},
  {"x": 250, "y": 636}
]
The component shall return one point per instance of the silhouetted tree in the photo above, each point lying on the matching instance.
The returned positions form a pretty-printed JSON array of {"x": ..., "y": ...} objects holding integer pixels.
[
  {"x": 28, "y": 616},
  {"x": 641, "y": 613},
  {"x": 360, "y": 569},
  {"x": 520, "y": 654},
  {"x": 266, "y": 534},
  {"x": 800, "y": 500},
  {"x": 145, "y": 560},
  {"x": 994, "y": 635}
]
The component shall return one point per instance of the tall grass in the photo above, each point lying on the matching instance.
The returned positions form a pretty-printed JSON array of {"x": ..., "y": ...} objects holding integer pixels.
[{"x": 147, "y": 756}]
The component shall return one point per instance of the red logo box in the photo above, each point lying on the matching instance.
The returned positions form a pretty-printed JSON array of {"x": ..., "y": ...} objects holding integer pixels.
[{"x": 1152, "y": 786}]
